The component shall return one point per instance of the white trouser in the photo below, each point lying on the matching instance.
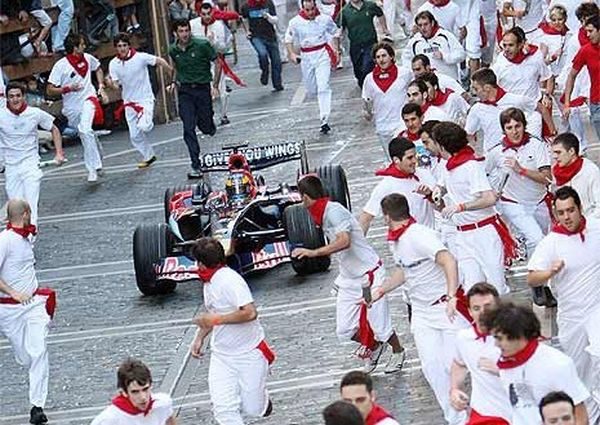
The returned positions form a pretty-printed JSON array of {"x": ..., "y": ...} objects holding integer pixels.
[
  {"x": 480, "y": 257},
  {"x": 487, "y": 52},
  {"x": 139, "y": 126},
  {"x": 23, "y": 181},
  {"x": 83, "y": 121},
  {"x": 238, "y": 384},
  {"x": 389, "y": 11},
  {"x": 581, "y": 342},
  {"x": 576, "y": 125},
  {"x": 473, "y": 38},
  {"x": 316, "y": 70},
  {"x": 348, "y": 304},
  {"x": 385, "y": 139},
  {"x": 281, "y": 27},
  {"x": 26, "y": 327},
  {"x": 531, "y": 221},
  {"x": 435, "y": 346}
]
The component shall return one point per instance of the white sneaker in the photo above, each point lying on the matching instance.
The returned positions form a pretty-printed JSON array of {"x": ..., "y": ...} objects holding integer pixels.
[
  {"x": 92, "y": 176},
  {"x": 395, "y": 362},
  {"x": 372, "y": 361}
]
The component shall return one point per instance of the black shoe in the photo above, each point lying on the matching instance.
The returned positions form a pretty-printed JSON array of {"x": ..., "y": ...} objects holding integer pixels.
[
  {"x": 195, "y": 173},
  {"x": 269, "y": 409},
  {"x": 224, "y": 120},
  {"x": 264, "y": 77},
  {"x": 325, "y": 129},
  {"x": 277, "y": 89},
  {"x": 550, "y": 300},
  {"x": 539, "y": 296},
  {"x": 37, "y": 416}
]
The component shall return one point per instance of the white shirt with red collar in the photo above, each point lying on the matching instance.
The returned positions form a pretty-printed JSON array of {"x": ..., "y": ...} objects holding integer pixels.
[
  {"x": 217, "y": 33},
  {"x": 522, "y": 78},
  {"x": 160, "y": 411},
  {"x": 17, "y": 262},
  {"x": 306, "y": 33},
  {"x": 447, "y": 82},
  {"x": 133, "y": 76},
  {"x": 421, "y": 208},
  {"x": 449, "y": 16},
  {"x": 64, "y": 74},
  {"x": 587, "y": 184},
  {"x": 488, "y": 397},
  {"x": 534, "y": 376},
  {"x": 452, "y": 104},
  {"x": 434, "y": 113},
  {"x": 226, "y": 292}
]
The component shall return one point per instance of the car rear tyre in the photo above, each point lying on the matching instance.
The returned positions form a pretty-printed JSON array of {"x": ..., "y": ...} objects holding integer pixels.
[
  {"x": 172, "y": 191},
  {"x": 151, "y": 243},
  {"x": 335, "y": 183},
  {"x": 302, "y": 233}
]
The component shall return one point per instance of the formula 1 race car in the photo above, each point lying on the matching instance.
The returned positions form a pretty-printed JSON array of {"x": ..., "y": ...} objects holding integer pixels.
[{"x": 257, "y": 224}]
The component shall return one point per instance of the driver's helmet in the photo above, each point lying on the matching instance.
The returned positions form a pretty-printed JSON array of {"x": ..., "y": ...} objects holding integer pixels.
[{"x": 239, "y": 186}]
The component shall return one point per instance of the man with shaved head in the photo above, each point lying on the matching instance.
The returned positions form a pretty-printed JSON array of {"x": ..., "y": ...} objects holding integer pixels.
[{"x": 25, "y": 309}]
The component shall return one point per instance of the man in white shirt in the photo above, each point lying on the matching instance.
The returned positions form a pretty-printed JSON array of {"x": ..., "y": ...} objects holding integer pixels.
[
  {"x": 412, "y": 117},
  {"x": 571, "y": 169},
  {"x": 420, "y": 64},
  {"x": 568, "y": 258},
  {"x": 453, "y": 104},
  {"x": 136, "y": 404},
  {"x": 476, "y": 355},
  {"x": 360, "y": 271},
  {"x": 129, "y": 69},
  {"x": 240, "y": 356},
  {"x": 448, "y": 14},
  {"x": 71, "y": 78},
  {"x": 312, "y": 32},
  {"x": 356, "y": 387},
  {"x": 483, "y": 243},
  {"x": 19, "y": 144},
  {"x": 402, "y": 176},
  {"x": 527, "y": 14},
  {"x": 429, "y": 276},
  {"x": 530, "y": 370},
  {"x": 25, "y": 309},
  {"x": 484, "y": 115},
  {"x": 441, "y": 47},
  {"x": 418, "y": 93}
]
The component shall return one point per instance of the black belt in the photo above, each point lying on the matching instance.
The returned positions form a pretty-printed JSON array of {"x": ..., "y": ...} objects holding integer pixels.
[{"x": 194, "y": 85}]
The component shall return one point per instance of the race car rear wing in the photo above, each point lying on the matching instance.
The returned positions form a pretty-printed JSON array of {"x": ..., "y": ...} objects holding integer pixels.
[{"x": 258, "y": 157}]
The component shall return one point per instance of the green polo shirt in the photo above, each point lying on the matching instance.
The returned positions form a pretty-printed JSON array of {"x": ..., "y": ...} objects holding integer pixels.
[
  {"x": 193, "y": 63},
  {"x": 359, "y": 23}
]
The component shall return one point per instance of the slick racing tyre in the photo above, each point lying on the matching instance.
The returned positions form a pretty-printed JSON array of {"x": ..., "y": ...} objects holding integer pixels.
[
  {"x": 302, "y": 233},
  {"x": 335, "y": 183},
  {"x": 151, "y": 243},
  {"x": 172, "y": 191}
]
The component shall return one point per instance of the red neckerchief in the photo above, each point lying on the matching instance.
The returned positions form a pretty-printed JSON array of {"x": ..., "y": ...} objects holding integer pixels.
[
  {"x": 479, "y": 335},
  {"x": 466, "y": 154},
  {"x": 424, "y": 107},
  {"x": 393, "y": 171},
  {"x": 256, "y": 3},
  {"x": 550, "y": 30},
  {"x": 129, "y": 55},
  {"x": 376, "y": 415},
  {"x": 500, "y": 92},
  {"x": 317, "y": 210},
  {"x": 23, "y": 231},
  {"x": 413, "y": 137},
  {"x": 521, "y": 56},
  {"x": 439, "y": 3},
  {"x": 207, "y": 274},
  {"x": 384, "y": 78},
  {"x": 306, "y": 16},
  {"x": 394, "y": 235},
  {"x": 441, "y": 97},
  {"x": 519, "y": 358},
  {"x": 508, "y": 144},
  {"x": 563, "y": 175},
  {"x": 582, "y": 37},
  {"x": 559, "y": 228},
  {"x": 123, "y": 403},
  {"x": 79, "y": 63},
  {"x": 17, "y": 111},
  {"x": 434, "y": 31}
]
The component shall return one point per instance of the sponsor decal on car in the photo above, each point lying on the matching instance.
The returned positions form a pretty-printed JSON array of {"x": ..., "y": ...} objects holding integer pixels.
[
  {"x": 177, "y": 268},
  {"x": 254, "y": 154}
]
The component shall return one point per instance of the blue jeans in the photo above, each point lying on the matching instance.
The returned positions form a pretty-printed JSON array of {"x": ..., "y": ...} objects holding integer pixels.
[
  {"x": 362, "y": 61},
  {"x": 63, "y": 26},
  {"x": 195, "y": 110},
  {"x": 595, "y": 117},
  {"x": 266, "y": 49}
]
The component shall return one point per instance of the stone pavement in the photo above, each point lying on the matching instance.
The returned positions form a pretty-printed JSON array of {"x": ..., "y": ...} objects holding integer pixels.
[{"x": 84, "y": 251}]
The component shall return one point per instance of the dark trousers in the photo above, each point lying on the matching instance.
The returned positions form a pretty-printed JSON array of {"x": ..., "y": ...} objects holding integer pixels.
[
  {"x": 266, "y": 49},
  {"x": 362, "y": 61},
  {"x": 195, "y": 110}
]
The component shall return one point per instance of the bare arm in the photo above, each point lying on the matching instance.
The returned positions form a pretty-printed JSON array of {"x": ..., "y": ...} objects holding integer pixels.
[
  {"x": 569, "y": 91},
  {"x": 581, "y": 415},
  {"x": 365, "y": 220},
  {"x": 160, "y": 62},
  {"x": 484, "y": 200},
  {"x": 246, "y": 313},
  {"x": 15, "y": 295},
  {"x": 341, "y": 242},
  {"x": 447, "y": 262},
  {"x": 171, "y": 421},
  {"x": 394, "y": 281}
]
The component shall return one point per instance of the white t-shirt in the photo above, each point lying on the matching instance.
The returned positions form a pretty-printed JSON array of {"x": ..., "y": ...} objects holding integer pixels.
[
  {"x": 463, "y": 184},
  {"x": 388, "y": 421},
  {"x": 535, "y": 13},
  {"x": 447, "y": 82},
  {"x": 310, "y": 32},
  {"x": 360, "y": 257},
  {"x": 162, "y": 410},
  {"x": 556, "y": 44},
  {"x": 17, "y": 262},
  {"x": 19, "y": 133},
  {"x": 420, "y": 208},
  {"x": 444, "y": 42},
  {"x": 448, "y": 17},
  {"x": 587, "y": 184},
  {"x": 133, "y": 76},
  {"x": 532, "y": 156},
  {"x": 547, "y": 370},
  {"x": 487, "y": 394},
  {"x": 576, "y": 286},
  {"x": 226, "y": 292},
  {"x": 486, "y": 117},
  {"x": 435, "y": 113},
  {"x": 455, "y": 108},
  {"x": 63, "y": 74},
  {"x": 387, "y": 106},
  {"x": 523, "y": 78},
  {"x": 217, "y": 33}
]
